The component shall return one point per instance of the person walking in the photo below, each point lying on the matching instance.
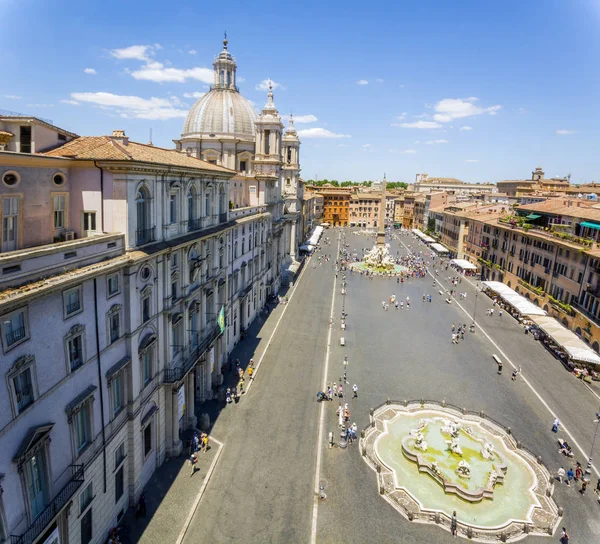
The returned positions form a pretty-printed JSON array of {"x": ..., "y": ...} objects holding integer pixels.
[
  {"x": 569, "y": 476},
  {"x": 355, "y": 391},
  {"x": 454, "y": 524},
  {"x": 555, "y": 425},
  {"x": 564, "y": 537},
  {"x": 250, "y": 372},
  {"x": 204, "y": 440},
  {"x": 560, "y": 474},
  {"x": 193, "y": 462}
]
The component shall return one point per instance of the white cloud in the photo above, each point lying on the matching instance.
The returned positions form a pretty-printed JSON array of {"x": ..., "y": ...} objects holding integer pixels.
[
  {"x": 379, "y": 80},
  {"x": 40, "y": 105},
  {"x": 13, "y": 96},
  {"x": 466, "y": 127},
  {"x": 89, "y": 71},
  {"x": 401, "y": 117},
  {"x": 403, "y": 151},
  {"x": 240, "y": 79},
  {"x": 195, "y": 94},
  {"x": 449, "y": 109},
  {"x": 563, "y": 132},
  {"x": 264, "y": 85},
  {"x": 366, "y": 146},
  {"x": 362, "y": 82},
  {"x": 192, "y": 51},
  {"x": 418, "y": 124},
  {"x": 302, "y": 118},
  {"x": 320, "y": 133},
  {"x": 433, "y": 142},
  {"x": 137, "y": 52},
  {"x": 72, "y": 102},
  {"x": 156, "y": 71},
  {"x": 132, "y": 106},
  {"x": 472, "y": 160}
]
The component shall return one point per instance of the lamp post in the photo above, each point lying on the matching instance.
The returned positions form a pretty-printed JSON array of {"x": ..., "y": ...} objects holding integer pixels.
[{"x": 588, "y": 468}]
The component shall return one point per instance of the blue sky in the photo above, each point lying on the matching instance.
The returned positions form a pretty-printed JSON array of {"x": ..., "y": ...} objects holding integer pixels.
[{"x": 478, "y": 90}]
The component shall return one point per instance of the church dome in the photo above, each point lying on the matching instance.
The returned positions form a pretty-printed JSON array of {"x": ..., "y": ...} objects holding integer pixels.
[{"x": 220, "y": 111}]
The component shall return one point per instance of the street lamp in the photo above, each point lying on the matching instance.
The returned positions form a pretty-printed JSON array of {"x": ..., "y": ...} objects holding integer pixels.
[{"x": 588, "y": 468}]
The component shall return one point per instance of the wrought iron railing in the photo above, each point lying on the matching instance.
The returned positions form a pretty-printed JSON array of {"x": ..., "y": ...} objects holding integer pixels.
[
  {"x": 144, "y": 236},
  {"x": 15, "y": 335},
  {"x": 53, "y": 509},
  {"x": 223, "y": 217},
  {"x": 194, "y": 224},
  {"x": 176, "y": 374}
]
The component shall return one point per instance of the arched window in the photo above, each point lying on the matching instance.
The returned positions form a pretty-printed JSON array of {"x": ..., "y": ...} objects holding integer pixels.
[
  {"x": 228, "y": 78},
  {"x": 142, "y": 200},
  {"x": 191, "y": 209},
  {"x": 222, "y": 202},
  {"x": 222, "y": 77},
  {"x": 235, "y": 250}
]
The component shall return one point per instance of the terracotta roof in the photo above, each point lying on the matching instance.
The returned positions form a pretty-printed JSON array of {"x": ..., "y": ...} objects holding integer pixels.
[
  {"x": 559, "y": 206},
  {"x": 109, "y": 149},
  {"x": 6, "y": 133}
]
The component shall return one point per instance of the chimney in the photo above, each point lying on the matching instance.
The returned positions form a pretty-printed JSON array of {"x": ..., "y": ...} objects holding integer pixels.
[{"x": 119, "y": 136}]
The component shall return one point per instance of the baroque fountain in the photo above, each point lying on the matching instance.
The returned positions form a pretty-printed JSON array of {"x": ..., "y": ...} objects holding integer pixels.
[{"x": 432, "y": 460}]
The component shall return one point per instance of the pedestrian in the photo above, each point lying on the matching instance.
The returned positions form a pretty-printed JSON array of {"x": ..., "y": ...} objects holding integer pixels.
[
  {"x": 453, "y": 327},
  {"x": 453, "y": 338},
  {"x": 355, "y": 391},
  {"x": 598, "y": 487},
  {"x": 555, "y": 425},
  {"x": 577, "y": 472},
  {"x": 560, "y": 474},
  {"x": 564, "y": 537},
  {"x": 569, "y": 476},
  {"x": 454, "y": 524},
  {"x": 242, "y": 386},
  {"x": 250, "y": 372},
  {"x": 193, "y": 462},
  {"x": 583, "y": 486},
  {"x": 340, "y": 391},
  {"x": 204, "y": 438},
  {"x": 500, "y": 313}
]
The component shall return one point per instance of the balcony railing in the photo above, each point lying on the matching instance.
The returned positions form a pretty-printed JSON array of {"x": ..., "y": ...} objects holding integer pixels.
[
  {"x": 194, "y": 224},
  {"x": 223, "y": 217},
  {"x": 176, "y": 374},
  {"x": 53, "y": 509},
  {"x": 15, "y": 335},
  {"x": 144, "y": 236}
]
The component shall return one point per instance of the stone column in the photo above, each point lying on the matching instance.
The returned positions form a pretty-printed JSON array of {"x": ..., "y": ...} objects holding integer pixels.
[
  {"x": 176, "y": 442},
  {"x": 190, "y": 401},
  {"x": 293, "y": 241}
]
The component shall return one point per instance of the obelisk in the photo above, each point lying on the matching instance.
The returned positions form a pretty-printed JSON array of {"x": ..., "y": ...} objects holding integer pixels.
[{"x": 381, "y": 220}]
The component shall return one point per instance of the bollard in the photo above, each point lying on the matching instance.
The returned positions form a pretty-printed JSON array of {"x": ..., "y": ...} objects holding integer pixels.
[
  {"x": 388, "y": 401},
  {"x": 381, "y": 490},
  {"x": 508, "y": 430},
  {"x": 443, "y": 403},
  {"x": 437, "y": 517},
  {"x": 464, "y": 411},
  {"x": 526, "y": 528},
  {"x": 378, "y": 469},
  {"x": 502, "y": 537},
  {"x": 422, "y": 403},
  {"x": 481, "y": 414},
  {"x": 550, "y": 531},
  {"x": 548, "y": 492},
  {"x": 371, "y": 411},
  {"x": 405, "y": 403},
  {"x": 363, "y": 451},
  {"x": 469, "y": 532},
  {"x": 561, "y": 512},
  {"x": 362, "y": 433},
  {"x": 411, "y": 516},
  {"x": 539, "y": 459},
  {"x": 519, "y": 444}
]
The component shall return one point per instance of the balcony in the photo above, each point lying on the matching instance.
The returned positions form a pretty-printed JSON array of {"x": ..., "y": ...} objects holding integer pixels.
[
  {"x": 144, "y": 236},
  {"x": 194, "y": 224},
  {"x": 176, "y": 374},
  {"x": 223, "y": 217},
  {"x": 15, "y": 336},
  {"x": 53, "y": 509},
  {"x": 585, "y": 312}
]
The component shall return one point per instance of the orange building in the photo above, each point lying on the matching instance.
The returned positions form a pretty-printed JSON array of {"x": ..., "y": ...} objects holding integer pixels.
[{"x": 336, "y": 206}]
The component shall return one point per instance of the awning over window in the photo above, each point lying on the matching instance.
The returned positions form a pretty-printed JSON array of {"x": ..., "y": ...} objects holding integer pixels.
[
  {"x": 589, "y": 225},
  {"x": 533, "y": 216}
]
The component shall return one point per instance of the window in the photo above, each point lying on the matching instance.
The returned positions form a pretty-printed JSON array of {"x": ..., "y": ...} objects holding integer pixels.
[
  {"x": 242, "y": 166},
  {"x": 112, "y": 285},
  {"x": 174, "y": 261},
  {"x": 207, "y": 206},
  {"x": 60, "y": 211},
  {"x": 75, "y": 351},
  {"x": 147, "y": 366},
  {"x": 146, "y": 308},
  {"x": 10, "y": 223},
  {"x": 82, "y": 428},
  {"x": 114, "y": 322},
  {"x": 58, "y": 179},
  {"x": 23, "y": 385},
  {"x": 119, "y": 484},
  {"x": 142, "y": 201},
  {"x": 14, "y": 328},
  {"x": 173, "y": 208},
  {"x": 147, "y": 440},
  {"x": 86, "y": 527},
  {"x": 118, "y": 393},
  {"x": 145, "y": 273},
  {"x": 85, "y": 498},
  {"x": 267, "y": 142},
  {"x": 37, "y": 483},
  {"x": 119, "y": 455},
  {"x": 89, "y": 221},
  {"x": 72, "y": 301},
  {"x": 11, "y": 178},
  {"x": 174, "y": 290},
  {"x": 25, "y": 138},
  {"x": 177, "y": 338}
]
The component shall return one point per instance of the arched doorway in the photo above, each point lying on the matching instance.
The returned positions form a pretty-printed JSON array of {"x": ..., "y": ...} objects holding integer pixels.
[
  {"x": 508, "y": 284},
  {"x": 565, "y": 322},
  {"x": 578, "y": 331},
  {"x": 546, "y": 308}
]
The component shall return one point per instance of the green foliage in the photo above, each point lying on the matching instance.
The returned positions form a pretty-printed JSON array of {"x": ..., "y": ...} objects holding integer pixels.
[{"x": 347, "y": 183}]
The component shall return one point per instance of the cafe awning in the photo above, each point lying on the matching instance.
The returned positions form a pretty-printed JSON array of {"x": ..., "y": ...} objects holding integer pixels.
[
  {"x": 520, "y": 303},
  {"x": 464, "y": 264},
  {"x": 589, "y": 225},
  {"x": 533, "y": 216},
  {"x": 439, "y": 248},
  {"x": 575, "y": 347}
]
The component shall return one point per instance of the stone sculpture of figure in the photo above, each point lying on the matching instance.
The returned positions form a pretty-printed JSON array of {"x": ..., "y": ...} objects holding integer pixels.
[
  {"x": 435, "y": 468},
  {"x": 454, "y": 446},
  {"x": 487, "y": 452},
  {"x": 451, "y": 428},
  {"x": 493, "y": 478},
  {"x": 464, "y": 469},
  {"x": 420, "y": 442}
]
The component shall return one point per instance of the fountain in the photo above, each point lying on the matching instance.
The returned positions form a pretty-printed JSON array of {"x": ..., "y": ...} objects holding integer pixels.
[{"x": 432, "y": 460}]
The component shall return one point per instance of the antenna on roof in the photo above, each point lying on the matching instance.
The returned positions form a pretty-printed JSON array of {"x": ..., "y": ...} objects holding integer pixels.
[{"x": 150, "y": 142}]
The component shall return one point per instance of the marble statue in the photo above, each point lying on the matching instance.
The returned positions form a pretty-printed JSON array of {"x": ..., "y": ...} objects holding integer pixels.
[
  {"x": 379, "y": 257},
  {"x": 454, "y": 446},
  {"x": 451, "y": 428},
  {"x": 420, "y": 442},
  {"x": 463, "y": 469},
  {"x": 487, "y": 452},
  {"x": 493, "y": 478}
]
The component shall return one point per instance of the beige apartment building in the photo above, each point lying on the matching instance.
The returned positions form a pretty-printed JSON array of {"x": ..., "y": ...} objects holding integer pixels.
[
  {"x": 549, "y": 252},
  {"x": 537, "y": 183},
  {"x": 364, "y": 210}
]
